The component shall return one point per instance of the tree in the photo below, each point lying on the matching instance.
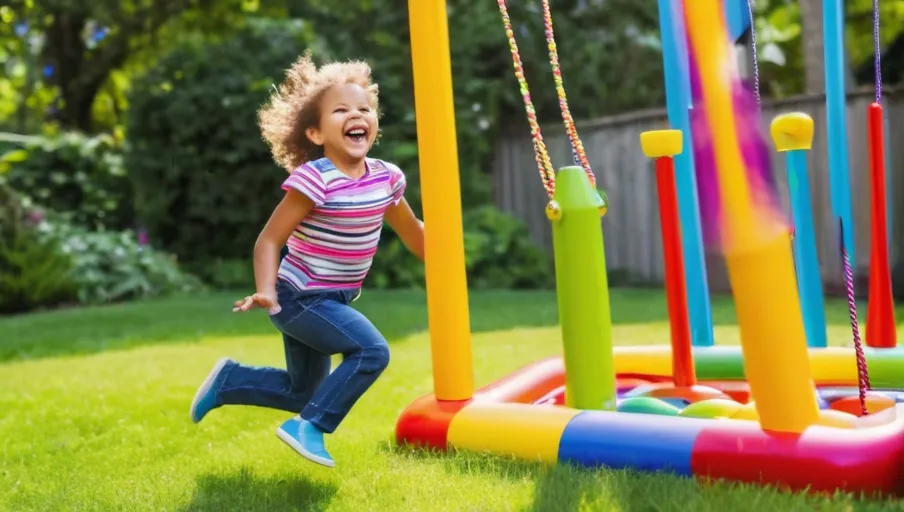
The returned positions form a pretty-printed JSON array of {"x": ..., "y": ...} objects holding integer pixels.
[{"x": 79, "y": 45}]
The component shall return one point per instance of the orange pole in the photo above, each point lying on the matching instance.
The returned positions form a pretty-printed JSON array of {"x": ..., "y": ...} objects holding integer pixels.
[
  {"x": 682, "y": 356},
  {"x": 880, "y": 312}
]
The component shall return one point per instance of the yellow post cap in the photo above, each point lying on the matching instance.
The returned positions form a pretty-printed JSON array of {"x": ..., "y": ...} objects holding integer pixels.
[
  {"x": 792, "y": 131},
  {"x": 659, "y": 143}
]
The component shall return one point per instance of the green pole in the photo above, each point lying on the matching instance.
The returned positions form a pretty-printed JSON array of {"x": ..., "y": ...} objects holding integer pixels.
[{"x": 582, "y": 290}]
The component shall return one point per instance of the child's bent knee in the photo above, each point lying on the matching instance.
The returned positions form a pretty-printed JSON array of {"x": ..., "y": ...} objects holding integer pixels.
[{"x": 375, "y": 358}]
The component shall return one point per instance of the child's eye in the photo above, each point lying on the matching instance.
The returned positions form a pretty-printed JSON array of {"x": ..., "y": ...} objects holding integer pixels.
[{"x": 340, "y": 109}]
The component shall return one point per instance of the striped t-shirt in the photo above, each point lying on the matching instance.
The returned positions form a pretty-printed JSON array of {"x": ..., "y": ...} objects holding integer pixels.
[{"x": 334, "y": 245}]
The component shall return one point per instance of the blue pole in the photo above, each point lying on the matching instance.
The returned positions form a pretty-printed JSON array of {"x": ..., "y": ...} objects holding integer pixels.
[
  {"x": 677, "y": 92},
  {"x": 836, "y": 118},
  {"x": 809, "y": 282}
]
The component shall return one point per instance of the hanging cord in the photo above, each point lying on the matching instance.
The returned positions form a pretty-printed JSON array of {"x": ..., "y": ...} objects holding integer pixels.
[
  {"x": 756, "y": 67},
  {"x": 541, "y": 155},
  {"x": 862, "y": 371},
  {"x": 576, "y": 146},
  {"x": 878, "y": 56}
]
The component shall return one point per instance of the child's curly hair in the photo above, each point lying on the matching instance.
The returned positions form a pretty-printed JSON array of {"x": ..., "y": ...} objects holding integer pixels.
[{"x": 295, "y": 106}]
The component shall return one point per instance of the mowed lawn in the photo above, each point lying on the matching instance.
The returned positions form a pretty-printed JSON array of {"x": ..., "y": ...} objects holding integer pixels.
[{"x": 94, "y": 417}]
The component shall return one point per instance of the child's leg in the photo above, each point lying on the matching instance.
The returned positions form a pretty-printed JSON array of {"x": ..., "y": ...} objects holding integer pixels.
[
  {"x": 332, "y": 326},
  {"x": 233, "y": 383},
  {"x": 288, "y": 390}
]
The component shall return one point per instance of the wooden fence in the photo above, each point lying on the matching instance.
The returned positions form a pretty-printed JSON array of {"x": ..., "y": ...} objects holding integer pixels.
[{"x": 631, "y": 228}]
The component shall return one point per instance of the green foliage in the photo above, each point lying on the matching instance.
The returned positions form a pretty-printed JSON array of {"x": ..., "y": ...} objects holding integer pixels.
[
  {"x": 64, "y": 56},
  {"x": 45, "y": 261},
  {"x": 498, "y": 255},
  {"x": 592, "y": 37},
  {"x": 237, "y": 274},
  {"x": 205, "y": 181},
  {"x": 34, "y": 272},
  {"x": 111, "y": 266},
  {"x": 81, "y": 176}
]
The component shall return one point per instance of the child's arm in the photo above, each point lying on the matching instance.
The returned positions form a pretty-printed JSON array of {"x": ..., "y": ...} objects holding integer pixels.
[
  {"x": 409, "y": 228},
  {"x": 294, "y": 207}
]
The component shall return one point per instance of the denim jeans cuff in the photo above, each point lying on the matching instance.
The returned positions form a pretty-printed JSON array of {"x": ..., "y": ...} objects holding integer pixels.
[
  {"x": 316, "y": 416},
  {"x": 217, "y": 384}
]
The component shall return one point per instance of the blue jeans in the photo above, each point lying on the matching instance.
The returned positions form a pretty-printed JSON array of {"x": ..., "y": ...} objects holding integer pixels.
[{"x": 315, "y": 325}]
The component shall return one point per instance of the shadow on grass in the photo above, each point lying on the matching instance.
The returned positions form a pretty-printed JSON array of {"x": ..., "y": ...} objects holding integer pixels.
[
  {"x": 562, "y": 486},
  {"x": 244, "y": 491},
  {"x": 556, "y": 486},
  {"x": 398, "y": 314}
]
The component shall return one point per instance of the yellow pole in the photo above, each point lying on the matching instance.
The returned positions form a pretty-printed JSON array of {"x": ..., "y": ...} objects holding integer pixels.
[
  {"x": 758, "y": 255},
  {"x": 447, "y": 288}
]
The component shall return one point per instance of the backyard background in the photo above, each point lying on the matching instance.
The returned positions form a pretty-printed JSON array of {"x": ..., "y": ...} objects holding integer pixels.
[{"x": 134, "y": 181}]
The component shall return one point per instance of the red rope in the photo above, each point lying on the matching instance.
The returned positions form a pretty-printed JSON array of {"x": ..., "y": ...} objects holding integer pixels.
[{"x": 862, "y": 370}]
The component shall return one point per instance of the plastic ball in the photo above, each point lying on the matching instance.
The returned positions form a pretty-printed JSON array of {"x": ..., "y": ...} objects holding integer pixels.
[
  {"x": 747, "y": 412},
  {"x": 647, "y": 405},
  {"x": 682, "y": 395},
  {"x": 713, "y": 408}
]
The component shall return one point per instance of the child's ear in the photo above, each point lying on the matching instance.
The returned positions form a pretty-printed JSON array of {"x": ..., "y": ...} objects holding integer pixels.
[{"x": 314, "y": 136}]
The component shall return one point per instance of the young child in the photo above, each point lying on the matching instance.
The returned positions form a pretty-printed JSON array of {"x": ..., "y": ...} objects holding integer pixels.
[{"x": 320, "y": 125}]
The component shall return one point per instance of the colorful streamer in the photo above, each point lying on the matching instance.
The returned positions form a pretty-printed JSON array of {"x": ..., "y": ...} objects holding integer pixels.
[{"x": 742, "y": 214}]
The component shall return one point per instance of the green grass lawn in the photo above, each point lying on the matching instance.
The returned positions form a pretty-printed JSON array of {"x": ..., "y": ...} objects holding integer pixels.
[{"x": 94, "y": 416}]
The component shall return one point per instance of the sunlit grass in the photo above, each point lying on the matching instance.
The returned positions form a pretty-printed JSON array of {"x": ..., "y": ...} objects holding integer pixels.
[{"x": 94, "y": 429}]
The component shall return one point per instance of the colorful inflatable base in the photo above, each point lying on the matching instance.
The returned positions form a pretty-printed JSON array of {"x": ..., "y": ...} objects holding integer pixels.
[{"x": 709, "y": 435}]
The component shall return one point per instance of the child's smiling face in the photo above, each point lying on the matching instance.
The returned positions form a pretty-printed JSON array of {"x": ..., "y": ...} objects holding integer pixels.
[{"x": 348, "y": 124}]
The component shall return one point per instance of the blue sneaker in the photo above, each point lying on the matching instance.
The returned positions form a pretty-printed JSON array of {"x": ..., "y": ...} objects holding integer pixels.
[
  {"x": 205, "y": 398},
  {"x": 306, "y": 439}
]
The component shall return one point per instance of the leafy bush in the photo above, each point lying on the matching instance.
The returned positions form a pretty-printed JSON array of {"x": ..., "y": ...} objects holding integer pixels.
[
  {"x": 234, "y": 274},
  {"x": 34, "y": 272},
  {"x": 81, "y": 176},
  {"x": 204, "y": 179},
  {"x": 112, "y": 266},
  {"x": 498, "y": 254}
]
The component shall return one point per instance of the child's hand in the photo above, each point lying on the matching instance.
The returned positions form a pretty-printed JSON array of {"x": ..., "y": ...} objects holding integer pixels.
[{"x": 266, "y": 301}]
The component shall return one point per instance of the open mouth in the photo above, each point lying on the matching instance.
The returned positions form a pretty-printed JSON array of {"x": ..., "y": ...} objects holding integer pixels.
[{"x": 357, "y": 134}]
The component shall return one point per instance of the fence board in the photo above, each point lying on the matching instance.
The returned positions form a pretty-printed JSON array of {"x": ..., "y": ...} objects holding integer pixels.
[{"x": 631, "y": 229}]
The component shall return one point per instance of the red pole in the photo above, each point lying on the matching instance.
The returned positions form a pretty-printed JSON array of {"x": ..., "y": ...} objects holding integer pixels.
[
  {"x": 676, "y": 293},
  {"x": 880, "y": 311}
]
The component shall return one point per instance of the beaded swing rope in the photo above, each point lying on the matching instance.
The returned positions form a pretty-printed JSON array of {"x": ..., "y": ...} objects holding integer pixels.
[
  {"x": 862, "y": 369},
  {"x": 541, "y": 155}
]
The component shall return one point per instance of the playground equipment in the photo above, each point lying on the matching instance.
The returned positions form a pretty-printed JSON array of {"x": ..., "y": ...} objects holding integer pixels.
[{"x": 772, "y": 410}]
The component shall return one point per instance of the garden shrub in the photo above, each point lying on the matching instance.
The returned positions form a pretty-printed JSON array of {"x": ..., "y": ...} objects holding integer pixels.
[
  {"x": 47, "y": 261},
  {"x": 232, "y": 274},
  {"x": 204, "y": 179},
  {"x": 114, "y": 266},
  {"x": 499, "y": 254},
  {"x": 34, "y": 272},
  {"x": 78, "y": 175}
]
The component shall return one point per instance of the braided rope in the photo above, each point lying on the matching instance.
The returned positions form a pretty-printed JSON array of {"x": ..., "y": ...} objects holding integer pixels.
[
  {"x": 862, "y": 371},
  {"x": 541, "y": 155},
  {"x": 878, "y": 56},
  {"x": 577, "y": 146},
  {"x": 756, "y": 67}
]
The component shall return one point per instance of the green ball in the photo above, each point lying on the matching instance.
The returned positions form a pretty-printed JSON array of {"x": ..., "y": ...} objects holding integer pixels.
[{"x": 647, "y": 405}]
